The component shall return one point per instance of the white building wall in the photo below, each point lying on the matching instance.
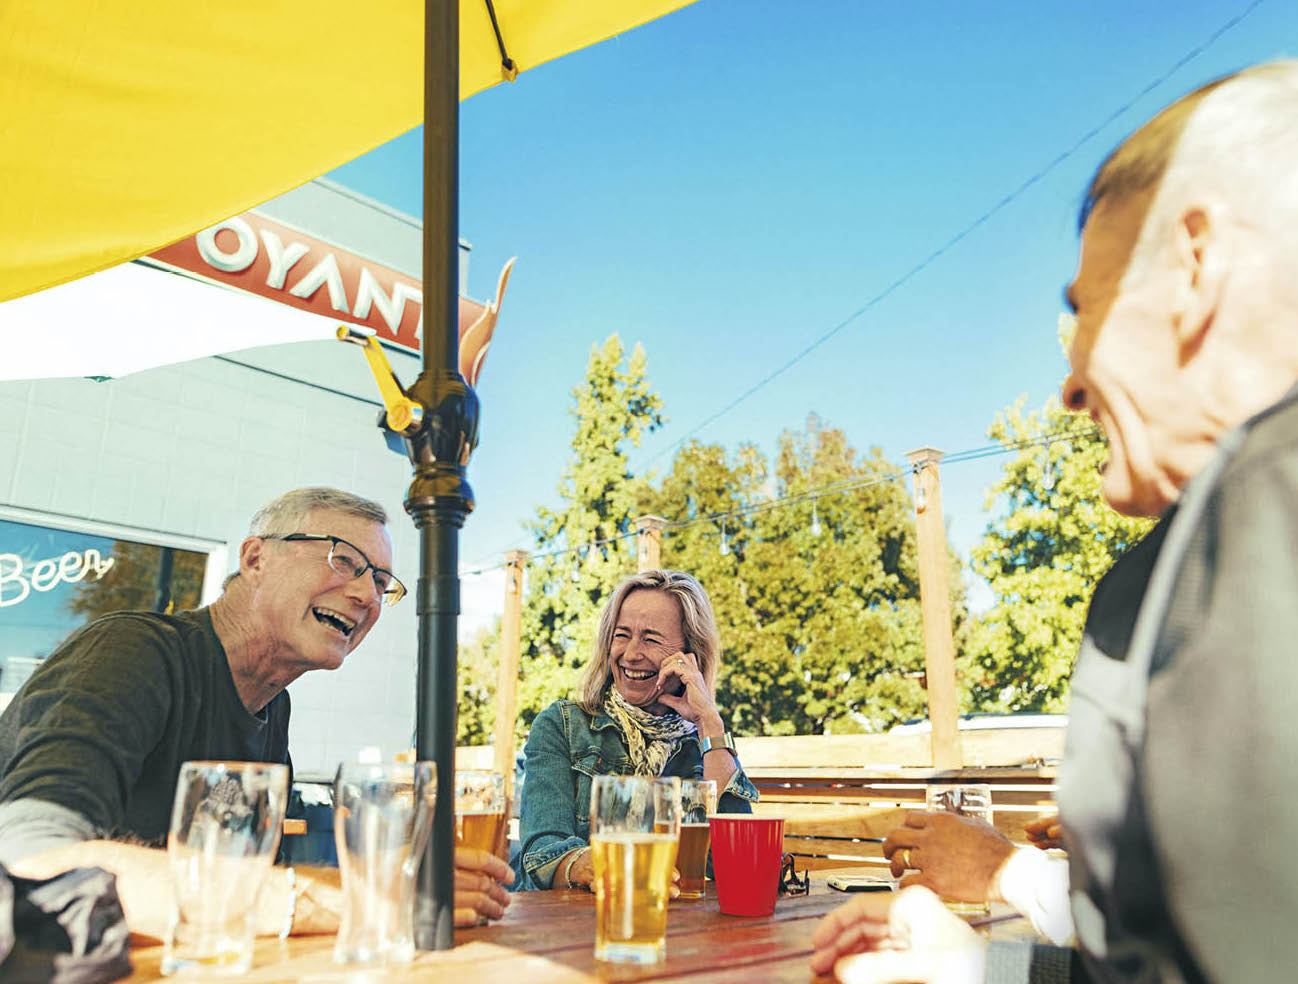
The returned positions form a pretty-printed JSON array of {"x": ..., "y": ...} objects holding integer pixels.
[{"x": 194, "y": 450}]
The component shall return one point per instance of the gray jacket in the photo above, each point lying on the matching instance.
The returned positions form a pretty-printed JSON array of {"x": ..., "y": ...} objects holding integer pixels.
[{"x": 1179, "y": 789}]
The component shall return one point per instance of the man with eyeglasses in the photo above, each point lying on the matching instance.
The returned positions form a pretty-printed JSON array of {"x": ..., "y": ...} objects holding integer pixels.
[{"x": 92, "y": 744}]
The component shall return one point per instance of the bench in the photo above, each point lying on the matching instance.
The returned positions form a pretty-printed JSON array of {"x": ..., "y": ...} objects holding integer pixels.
[{"x": 835, "y": 791}]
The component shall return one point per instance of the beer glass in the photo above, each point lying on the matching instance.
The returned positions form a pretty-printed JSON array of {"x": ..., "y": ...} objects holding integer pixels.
[
  {"x": 480, "y": 810},
  {"x": 634, "y": 826},
  {"x": 970, "y": 800},
  {"x": 383, "y": 815},
  {"x": 698, "y": 802},
  {"x": 225, "y": 828}
]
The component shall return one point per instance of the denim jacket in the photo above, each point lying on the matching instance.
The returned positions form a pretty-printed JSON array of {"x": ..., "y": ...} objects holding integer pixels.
[{"x": 565, "y": 749}]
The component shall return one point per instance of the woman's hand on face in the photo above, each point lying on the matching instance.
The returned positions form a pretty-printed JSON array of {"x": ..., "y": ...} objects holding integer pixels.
[{"x": 696, "y": 703}]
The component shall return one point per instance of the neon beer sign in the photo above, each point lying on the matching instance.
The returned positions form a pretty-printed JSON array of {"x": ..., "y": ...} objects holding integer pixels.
[{"x": 17, "y": 581}]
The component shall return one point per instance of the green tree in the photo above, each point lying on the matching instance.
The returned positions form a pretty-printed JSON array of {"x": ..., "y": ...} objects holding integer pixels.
[
  {"x": 818, "y": 611},
  {"x": 592, "y": 528},
  {"x": 1042, "y": 555},
  {"x": 478, "y": 662},
  {"x": 131, "y": 584}
]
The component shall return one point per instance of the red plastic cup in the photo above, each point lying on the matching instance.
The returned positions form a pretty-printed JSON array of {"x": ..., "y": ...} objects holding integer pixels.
[{"x": 746, "y": 856}]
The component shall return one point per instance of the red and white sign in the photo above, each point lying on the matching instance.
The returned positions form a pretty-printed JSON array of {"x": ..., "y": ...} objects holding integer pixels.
[
  {"x": 133, "y": 317},
  {"x": 253, "y": 253}
]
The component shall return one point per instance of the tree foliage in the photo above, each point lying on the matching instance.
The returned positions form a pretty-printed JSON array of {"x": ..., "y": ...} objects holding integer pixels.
[
  {"x": 131, "y": 584},
  {"x": 820, "y": 630},
  {"x": 1050, "y": 542},
  {"x": 478, "y": 662},
  {"x": 613, "y": 409}
]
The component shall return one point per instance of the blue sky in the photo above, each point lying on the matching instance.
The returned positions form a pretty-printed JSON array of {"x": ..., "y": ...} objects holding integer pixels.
[{"x": 727, "y": 184}]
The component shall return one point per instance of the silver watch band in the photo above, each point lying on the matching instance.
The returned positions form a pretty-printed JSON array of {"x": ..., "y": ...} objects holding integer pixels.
[{"x": 724, "y": 741}]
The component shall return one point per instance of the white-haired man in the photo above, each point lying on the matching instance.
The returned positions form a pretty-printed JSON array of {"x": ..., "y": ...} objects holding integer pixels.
[
  {"x": 92, "y": 744},
  {"x": 1177, "y": 786}
]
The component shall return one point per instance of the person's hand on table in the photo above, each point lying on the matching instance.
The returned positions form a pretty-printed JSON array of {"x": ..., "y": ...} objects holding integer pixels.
[
  {"x": 480, "y": 878},
  {"x": 1045, "y": 833},
  {"x": 888, "y": 939},
  {"x": 958, "y": 857},
  {"x": 582, "y": 875}
]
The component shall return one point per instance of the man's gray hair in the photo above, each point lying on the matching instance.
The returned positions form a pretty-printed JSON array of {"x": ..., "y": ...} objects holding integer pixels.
[
  {"x": 286, "y": 513},
  {"x": 1235, "y": 138},
  {"x": 698, "y": 625}
]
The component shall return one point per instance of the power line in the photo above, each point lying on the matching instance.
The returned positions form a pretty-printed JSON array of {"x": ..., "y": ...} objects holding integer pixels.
[
  {"x": 1088, "y": 136},
  {"x": 811, "y": 495}
]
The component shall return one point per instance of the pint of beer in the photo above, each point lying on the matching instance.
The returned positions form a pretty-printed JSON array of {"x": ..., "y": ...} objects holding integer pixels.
[
  {"x": 634, "y": 826},
  {"x": 698, "y": 802},
  {"x": 480, "y": 810}
]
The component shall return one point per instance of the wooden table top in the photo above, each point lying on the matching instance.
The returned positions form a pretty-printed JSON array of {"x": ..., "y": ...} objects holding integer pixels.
[{"x": 549, "y": 937}]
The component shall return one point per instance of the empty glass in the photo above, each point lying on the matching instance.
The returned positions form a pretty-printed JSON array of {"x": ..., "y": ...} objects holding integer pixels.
[
  {"x": 970, "y": 800},
  {"x": 383, "y": 814},
  {"x": 225, "y": 828},
  {"x": 634, "y": 826}
]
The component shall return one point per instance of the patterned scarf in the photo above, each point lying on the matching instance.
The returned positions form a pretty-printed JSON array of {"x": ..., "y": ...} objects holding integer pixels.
[{"x": 650, "y": 740}]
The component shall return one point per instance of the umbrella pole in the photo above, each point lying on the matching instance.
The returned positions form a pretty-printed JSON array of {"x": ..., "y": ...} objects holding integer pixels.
[{"x": 439, "y": 497}]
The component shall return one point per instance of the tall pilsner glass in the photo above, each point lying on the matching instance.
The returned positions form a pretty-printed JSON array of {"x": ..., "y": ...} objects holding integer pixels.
[
  {"x": 383, "y": 815},
  {"x": 225, "y": 828},
  {"x": 480, "y": 810},
  {"x": 698, "y": 802},
  {"x": 634, "y": 826}
]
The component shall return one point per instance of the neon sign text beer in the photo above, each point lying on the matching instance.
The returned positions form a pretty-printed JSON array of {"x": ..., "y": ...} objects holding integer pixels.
[{"x": 17, "y": 582}]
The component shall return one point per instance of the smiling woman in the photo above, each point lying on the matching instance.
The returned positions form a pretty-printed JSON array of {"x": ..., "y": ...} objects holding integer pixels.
[{"x": 646, "y": 707}]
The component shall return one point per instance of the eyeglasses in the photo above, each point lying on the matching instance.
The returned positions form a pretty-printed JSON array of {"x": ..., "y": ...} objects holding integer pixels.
[
  {"x": 790, "y": 883},
  {"x": 350, "y": 561}
]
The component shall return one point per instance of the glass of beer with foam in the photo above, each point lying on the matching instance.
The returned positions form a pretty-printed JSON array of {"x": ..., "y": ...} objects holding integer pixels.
[
  {"x": 480, "y": 810},
  {"x": 698, "y": 802},
  {"x": 634, "y": 826}
]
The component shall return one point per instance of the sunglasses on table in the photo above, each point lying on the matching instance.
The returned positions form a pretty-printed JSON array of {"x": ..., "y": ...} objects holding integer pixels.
[
  {"x": 791, "y": 883},
  {"x": 350, "y": 561}
]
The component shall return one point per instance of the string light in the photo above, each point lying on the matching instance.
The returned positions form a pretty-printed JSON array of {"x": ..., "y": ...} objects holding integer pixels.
[
  {"x": 815, "y": 520},
  {"x": 724, "y": 549}
]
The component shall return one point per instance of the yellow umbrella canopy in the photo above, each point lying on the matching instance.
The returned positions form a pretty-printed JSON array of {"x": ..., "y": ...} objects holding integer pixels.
[{"x": 126, "y": 126}]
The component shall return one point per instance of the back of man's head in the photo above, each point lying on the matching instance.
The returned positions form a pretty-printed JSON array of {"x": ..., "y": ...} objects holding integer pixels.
[{"x": 1234, "y": 140}]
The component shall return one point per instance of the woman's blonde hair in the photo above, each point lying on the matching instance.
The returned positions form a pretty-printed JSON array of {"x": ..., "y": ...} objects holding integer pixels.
[{"x": 698, "y": 625}]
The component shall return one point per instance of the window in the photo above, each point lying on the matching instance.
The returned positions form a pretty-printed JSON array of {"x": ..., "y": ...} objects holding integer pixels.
[{"x": 53, "y": 581}]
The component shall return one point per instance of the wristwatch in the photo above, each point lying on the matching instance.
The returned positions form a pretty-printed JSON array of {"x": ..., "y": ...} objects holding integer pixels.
[{"x": 724, "y": 741}]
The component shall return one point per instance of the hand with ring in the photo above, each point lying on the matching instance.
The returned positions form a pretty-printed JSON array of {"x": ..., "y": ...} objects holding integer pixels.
[
  {"x": 958, "y": 857},
  {"x": 692, "y": 700}
]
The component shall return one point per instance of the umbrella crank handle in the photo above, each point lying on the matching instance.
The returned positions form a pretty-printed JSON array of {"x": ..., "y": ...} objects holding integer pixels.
[{"x": 404, "y": 414}]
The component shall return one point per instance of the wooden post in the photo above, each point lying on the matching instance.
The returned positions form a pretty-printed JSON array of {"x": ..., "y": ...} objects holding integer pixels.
[
  {"x": 649, "y": 552},
  {"x": 511, "y": 633},
  {"x": 935, "y": 605}
]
